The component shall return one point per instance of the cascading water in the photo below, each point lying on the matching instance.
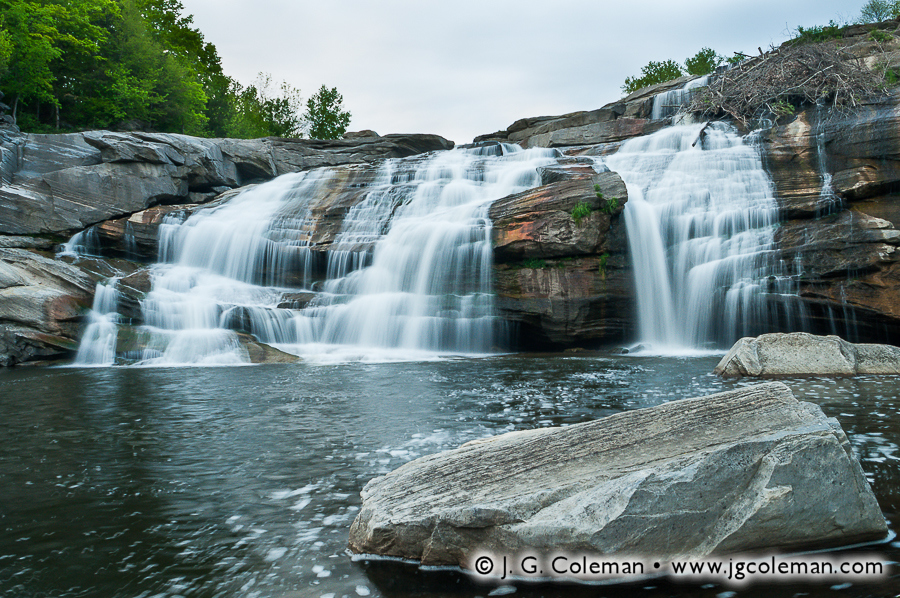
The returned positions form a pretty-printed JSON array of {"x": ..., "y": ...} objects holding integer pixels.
[
  {"x": 408, "y": 275},
  {"x": 668, "y": 103},
  {"x": 98, "y": 345},
  {"x": 700, "y": 218}
]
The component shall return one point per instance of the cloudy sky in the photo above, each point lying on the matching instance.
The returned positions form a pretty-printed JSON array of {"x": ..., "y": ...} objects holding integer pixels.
[{"x": 467, "y": 67}]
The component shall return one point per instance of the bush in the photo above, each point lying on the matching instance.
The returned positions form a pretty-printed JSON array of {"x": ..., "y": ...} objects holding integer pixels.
[
  {"x": 703, "y": 62},
  {"x": 607, "y": 206},
  {"x": 817, "y": 33},
  {"x": 653, "y": 73},
  {"x": 581, "y": 210},
  {"x": 534, "y": 264}
]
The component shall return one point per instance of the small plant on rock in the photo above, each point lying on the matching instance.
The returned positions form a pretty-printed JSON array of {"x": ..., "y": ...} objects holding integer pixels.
[
  {"x": 580, "y": 211},
  {"x": 607, "y": 206},
  {"x": 534, "y": 264},
  {"x": 602, "y": 265}
]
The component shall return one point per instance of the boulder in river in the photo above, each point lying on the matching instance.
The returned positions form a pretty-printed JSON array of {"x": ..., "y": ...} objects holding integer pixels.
[
  {"x": 802, "y": 354},
  {"x": 746, "y": 470}
]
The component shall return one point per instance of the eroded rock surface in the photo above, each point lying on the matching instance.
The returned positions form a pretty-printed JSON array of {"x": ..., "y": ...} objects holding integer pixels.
[
  {"x": 61, "y": 184},
  {"x": 801, "y": 354},
  {"x": 42, "y": 304},
  {"x": 740, "y": 471}
]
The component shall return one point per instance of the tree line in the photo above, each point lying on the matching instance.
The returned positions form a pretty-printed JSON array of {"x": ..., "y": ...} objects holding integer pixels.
[
  {"x": 707, "y": 60},
  {"x": 141, "y": 64}
]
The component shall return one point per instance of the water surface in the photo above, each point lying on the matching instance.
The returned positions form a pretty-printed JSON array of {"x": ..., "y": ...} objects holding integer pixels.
[{"x": 243, "y": 481}]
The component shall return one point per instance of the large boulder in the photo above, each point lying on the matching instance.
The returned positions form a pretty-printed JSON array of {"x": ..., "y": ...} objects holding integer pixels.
[
  {"x": 42, "y": 304},
  {"x": 740, "y": 471},
  {"x": 801, "y": 354},
  {"x": 563, "y": 281}
]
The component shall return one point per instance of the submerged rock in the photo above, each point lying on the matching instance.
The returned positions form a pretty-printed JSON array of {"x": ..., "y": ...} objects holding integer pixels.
[
  {"x": 802, "y": 354},
  {"x": 746, "y": 470}
]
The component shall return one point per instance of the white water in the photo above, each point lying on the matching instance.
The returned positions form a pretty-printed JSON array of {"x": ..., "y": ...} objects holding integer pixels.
[
  {"x": 408, "y": 277},
  {"x": 668, "y": 103},
  {"x": 700, "y": 217},
  {"x": 98, "y": 345}
]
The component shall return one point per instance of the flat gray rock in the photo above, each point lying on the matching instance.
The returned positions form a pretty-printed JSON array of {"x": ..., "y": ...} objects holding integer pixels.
[
  {"x": 802, "y": 354},
  {"x": 746, "y": 470}
]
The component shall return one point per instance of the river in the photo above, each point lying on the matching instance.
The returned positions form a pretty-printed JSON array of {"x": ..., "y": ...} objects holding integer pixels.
[{"x": 243, "y": 481}]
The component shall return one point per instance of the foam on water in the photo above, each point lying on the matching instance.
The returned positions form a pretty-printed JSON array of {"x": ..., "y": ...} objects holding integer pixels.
[
  {"x": 700, "y": 217},
  {"x": 408, "y": 275}
]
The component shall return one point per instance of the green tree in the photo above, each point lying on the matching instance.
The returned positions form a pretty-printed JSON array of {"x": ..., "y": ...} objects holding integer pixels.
[
  {"x": 325, "y": 117},
  {"x": 653, "y": 73},
  {"x": 6, "y": 48},
  {"x": 31, "y": 34},
  {"x": 703, "y": 62},
  {"x": 259, "y": 111},
  {"x": 875, "y": 11}
]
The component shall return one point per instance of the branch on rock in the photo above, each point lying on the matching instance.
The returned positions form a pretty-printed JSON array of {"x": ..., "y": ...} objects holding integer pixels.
[{"x": 828, "y": 74}]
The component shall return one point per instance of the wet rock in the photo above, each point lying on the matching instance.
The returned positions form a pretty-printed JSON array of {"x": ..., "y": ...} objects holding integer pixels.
[
  {"x": 42, "y": 303},
  {"x": 538, "y": 223},
  {"x": 562, "y": 282},
  {"x": 746, "y": 470},
  {"x": 262, "y": 353},
  {"x": 295, "y": 300},
  {"x": 586, "y": 301},
  {"x": 802, "y": 354}
]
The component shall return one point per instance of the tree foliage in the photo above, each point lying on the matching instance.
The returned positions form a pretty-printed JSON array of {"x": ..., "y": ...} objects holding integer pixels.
[
  {"x": 125, "y": 64},
  {"x": 653, "y": 73},
  {"x": 325, "y": 115},
  {"x": 875, "y": 11},
  {"x": 260, "y": 112},
  {"x": 703, "y": 62}
]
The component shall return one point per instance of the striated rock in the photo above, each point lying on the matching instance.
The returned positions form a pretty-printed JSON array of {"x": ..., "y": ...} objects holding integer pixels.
[
  {"x": 61, "y": 184},
  {"x": 802, "y": 354},
  {"x": 614, "y": 122},
  {"x": 42, "y": 303},
  {"x": 262, "y": 353},
  {"x": 746, "y": 470},
  {"x": 842, "y": 248},
  {"x": 137, "y": 236},
  {"x": 560, "y": 282},
  {"x": 13, "y": 242},
  {"x": 583, "y": 301},
  {"x": 539, "y": 223}
]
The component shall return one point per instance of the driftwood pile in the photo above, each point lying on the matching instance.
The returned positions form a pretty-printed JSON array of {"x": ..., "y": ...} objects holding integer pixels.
[{"x": 786, "y": 77}]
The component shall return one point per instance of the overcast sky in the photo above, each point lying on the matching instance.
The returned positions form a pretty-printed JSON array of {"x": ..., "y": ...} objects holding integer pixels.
[{"x": 467, "y": 67}]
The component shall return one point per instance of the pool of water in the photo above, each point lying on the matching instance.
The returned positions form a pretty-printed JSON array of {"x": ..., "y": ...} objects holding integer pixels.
[{"x": 244, "y": 481}]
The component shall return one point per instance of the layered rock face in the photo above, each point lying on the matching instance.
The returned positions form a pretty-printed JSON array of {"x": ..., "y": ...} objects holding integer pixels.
[
  {"x": 757, "y": 469},
  {"x": 801, "y": 354},
  {"x": 837, "y": 183},
  {"x": 123, "y": 186},
  {"x": 42, "y": 302},
  {"x": 563, "y": 281},
  {"x": 61, "y": 184}
]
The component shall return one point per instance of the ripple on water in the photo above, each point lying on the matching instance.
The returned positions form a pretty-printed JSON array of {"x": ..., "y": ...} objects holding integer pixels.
[{"x": 243, "y": 482}]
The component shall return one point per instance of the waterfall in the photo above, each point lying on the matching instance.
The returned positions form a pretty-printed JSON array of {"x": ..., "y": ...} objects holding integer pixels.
[
  {"x": 668, "y": 103},
  {"x": 700, "y": 218},
  {"x": 407, "y": 275},
  {"x": 98, "y": 344}
]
